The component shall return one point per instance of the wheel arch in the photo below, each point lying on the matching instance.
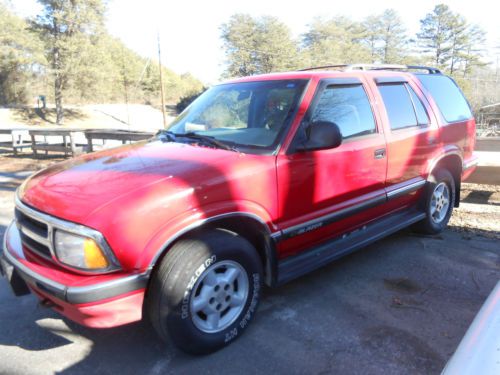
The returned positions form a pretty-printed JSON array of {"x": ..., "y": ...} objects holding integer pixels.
[
  {"x": 452, "y": 162},
  {"x": 249, "y": 226}
]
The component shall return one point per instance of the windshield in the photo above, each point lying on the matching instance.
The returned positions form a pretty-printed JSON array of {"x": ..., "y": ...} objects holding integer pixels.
[{"x": 249, "y": 115}]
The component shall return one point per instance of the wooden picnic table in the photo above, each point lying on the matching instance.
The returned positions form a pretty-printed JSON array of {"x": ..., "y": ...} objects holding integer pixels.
[
  {"x": 19, "y": 139},
  {"x": 116, "y": 135},
  {"x": 68, "y": 145}
]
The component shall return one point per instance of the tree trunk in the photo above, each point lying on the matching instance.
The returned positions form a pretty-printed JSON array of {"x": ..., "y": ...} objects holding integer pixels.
[{"x": 58, "y": 83}]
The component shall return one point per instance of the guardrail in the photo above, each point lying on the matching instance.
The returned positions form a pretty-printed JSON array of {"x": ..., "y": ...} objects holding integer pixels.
[
  {"x": 488, "y": 144},
  {"x": 65, "y": 140}
]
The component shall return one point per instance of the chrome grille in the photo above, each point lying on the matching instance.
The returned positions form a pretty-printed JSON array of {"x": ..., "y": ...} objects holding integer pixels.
[{"x": 34, "y": 234}]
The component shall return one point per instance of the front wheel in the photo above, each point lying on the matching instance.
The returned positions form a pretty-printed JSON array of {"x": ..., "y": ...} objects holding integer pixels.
[
  {"x": 438, "y": 202},
  {"x": 205, "y": 291}
]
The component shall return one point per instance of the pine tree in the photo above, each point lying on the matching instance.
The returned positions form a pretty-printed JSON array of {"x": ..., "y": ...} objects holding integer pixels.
[
  {"x": 372, "y": 30},
  {"x": 66, "y": 27},
  {"x": 435, "y": 34},
  {"x": 335, "y": 41},
  {"x": 472, "y": 53},
  {"x": 386, "y": 37},
  {"x": 257, "y": 45},
  {"x": 452, "y": 42},
  {"x": 20, "y": 53},
  {"x": 393, "y": 38}
]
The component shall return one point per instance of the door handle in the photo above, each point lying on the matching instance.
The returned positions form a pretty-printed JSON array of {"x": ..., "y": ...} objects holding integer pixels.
[{"x": 380, "y": 153}]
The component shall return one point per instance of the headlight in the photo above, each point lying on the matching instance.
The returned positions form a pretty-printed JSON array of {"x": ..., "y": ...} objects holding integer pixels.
[{"x": 77, "y": 251}]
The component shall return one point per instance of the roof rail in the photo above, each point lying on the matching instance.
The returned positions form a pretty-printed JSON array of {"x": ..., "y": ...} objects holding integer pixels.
[
  {"x": 429, "y": 69},
  {"x": 350, "y": 67},
  {"x": 375, "y": 67},
  {"x": 324, "y": 67}
]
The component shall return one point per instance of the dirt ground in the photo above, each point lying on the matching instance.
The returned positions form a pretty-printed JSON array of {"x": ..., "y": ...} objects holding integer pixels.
[
  {"x": 399, "y": 306},
  {"x": 113, "y": 116},
  {"x": 479, "y": 211}
]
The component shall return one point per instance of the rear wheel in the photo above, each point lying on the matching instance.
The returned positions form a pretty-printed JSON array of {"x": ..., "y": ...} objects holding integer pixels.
[
  {"x": 438, "y": 202},
  {"x": 205, "y": 291}
]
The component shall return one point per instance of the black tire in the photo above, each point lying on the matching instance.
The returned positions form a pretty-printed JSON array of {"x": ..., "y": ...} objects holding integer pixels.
[
  {"x": 178, "y": 278},
  {"x": 430, "y": 225}
]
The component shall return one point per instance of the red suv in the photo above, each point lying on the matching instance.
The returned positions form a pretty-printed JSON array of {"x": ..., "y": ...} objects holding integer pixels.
[{"x": 259, "y": 181}]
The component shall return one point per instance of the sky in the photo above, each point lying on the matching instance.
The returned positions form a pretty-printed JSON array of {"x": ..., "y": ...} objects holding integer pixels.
[{"x": 190, "y": 30}]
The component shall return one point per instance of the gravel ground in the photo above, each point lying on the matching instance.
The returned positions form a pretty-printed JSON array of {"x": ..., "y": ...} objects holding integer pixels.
[
  {"x": 399, "y": 306},
  {"x": 479, "y": 211}
]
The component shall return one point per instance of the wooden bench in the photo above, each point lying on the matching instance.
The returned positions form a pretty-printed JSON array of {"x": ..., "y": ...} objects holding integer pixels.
[
  {"x": 20, "y": 139},
  {"x": 117, "y": 135},
  {"x": 68, "y": 145}
]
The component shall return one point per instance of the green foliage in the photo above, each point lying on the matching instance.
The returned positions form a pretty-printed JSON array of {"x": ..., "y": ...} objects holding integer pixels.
[
  {"x": 445, "y": 40},
  {"x": 185, "y": 101},
  {"x": 386, "y": 37},
  {"x": 334, "y": 41},
  {"x": 257, "y": 45},
  {"x": 68, "y": 30},
  {"x": 261, "y": 45},
  {"x": 65, "y": 53},
  {"x": 451, "y": 42},
  {"x": 20, "y": 58}
]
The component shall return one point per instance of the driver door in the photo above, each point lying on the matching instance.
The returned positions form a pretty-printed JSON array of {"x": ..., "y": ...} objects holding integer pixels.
[{"x": 323, "y": 193}]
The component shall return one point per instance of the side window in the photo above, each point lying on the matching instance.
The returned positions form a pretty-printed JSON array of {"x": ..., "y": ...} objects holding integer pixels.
[
  {"x": 448, "y": 97},
  {"x": 348, "y": 107},
  {"x": 398, "y": 105},
  {"x": 422, "y": 116}
]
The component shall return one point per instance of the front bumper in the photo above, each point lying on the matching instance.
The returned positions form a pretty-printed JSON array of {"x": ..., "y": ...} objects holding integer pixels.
[{"x": 116, "y": 301}]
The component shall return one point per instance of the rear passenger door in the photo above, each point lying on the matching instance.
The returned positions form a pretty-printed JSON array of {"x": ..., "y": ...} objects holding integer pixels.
[
  {"x": 411, "y": 134},
  {"x": 323, "y": 193}
]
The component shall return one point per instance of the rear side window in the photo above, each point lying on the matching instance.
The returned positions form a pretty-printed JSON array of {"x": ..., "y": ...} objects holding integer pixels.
[
  {"x": 447, "y": 96},
  {"x": 398, "y": 105},
  {"x": 348, "y": 107},
  {"x": 422, "y": 116}
]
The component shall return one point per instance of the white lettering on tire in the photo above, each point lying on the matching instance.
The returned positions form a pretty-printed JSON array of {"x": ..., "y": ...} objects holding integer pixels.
[
  {"x": 187, "y": 293},
  {"x": 253, "y": 303}
]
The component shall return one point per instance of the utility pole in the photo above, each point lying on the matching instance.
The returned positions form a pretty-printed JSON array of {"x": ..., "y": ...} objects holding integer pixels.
[
  {"x": 496, "y": 71},
  {"x": 161, "y": 85},
  {"x": 125, "y": 87}
]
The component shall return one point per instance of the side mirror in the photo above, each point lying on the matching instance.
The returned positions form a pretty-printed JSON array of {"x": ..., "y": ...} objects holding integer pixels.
[{"x": 321, "y": 135}]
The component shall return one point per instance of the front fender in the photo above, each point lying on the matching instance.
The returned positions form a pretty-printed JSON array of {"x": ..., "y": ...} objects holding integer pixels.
[{"x": 176, "y": 227}]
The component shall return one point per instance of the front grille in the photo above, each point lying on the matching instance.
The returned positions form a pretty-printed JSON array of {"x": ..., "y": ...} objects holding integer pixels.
[
  {"x": 34, "y": 234},
  {"x": 35, "y": 246},
  {"x": 33, "y": 225}
]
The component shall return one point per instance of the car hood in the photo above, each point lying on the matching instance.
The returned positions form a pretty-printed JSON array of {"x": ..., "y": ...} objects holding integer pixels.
[{"x": 74, "y": 189}]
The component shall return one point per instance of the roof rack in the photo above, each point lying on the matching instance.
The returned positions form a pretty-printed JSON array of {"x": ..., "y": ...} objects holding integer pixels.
[
  {"x": 350, "y": 67},
  {"x": 324, "y": 67},
  {"x": 429, "y": 69}
]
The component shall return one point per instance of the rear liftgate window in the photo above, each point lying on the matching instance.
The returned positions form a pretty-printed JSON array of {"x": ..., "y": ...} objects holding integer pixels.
[{"x": 448, "y": 97}]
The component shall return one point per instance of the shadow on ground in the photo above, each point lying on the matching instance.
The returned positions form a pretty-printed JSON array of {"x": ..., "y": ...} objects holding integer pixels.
[{"x": 37, "y": 116}]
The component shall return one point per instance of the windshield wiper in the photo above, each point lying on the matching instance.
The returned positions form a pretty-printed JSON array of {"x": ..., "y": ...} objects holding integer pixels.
[
  {"x": 166, "y": 135},
  {"x": 171, "y": 137},
  {"x": 208, "y": 139}
]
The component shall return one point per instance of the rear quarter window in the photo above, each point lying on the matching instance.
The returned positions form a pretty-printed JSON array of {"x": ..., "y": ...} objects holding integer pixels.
[{"x": 448, "y": 97}]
